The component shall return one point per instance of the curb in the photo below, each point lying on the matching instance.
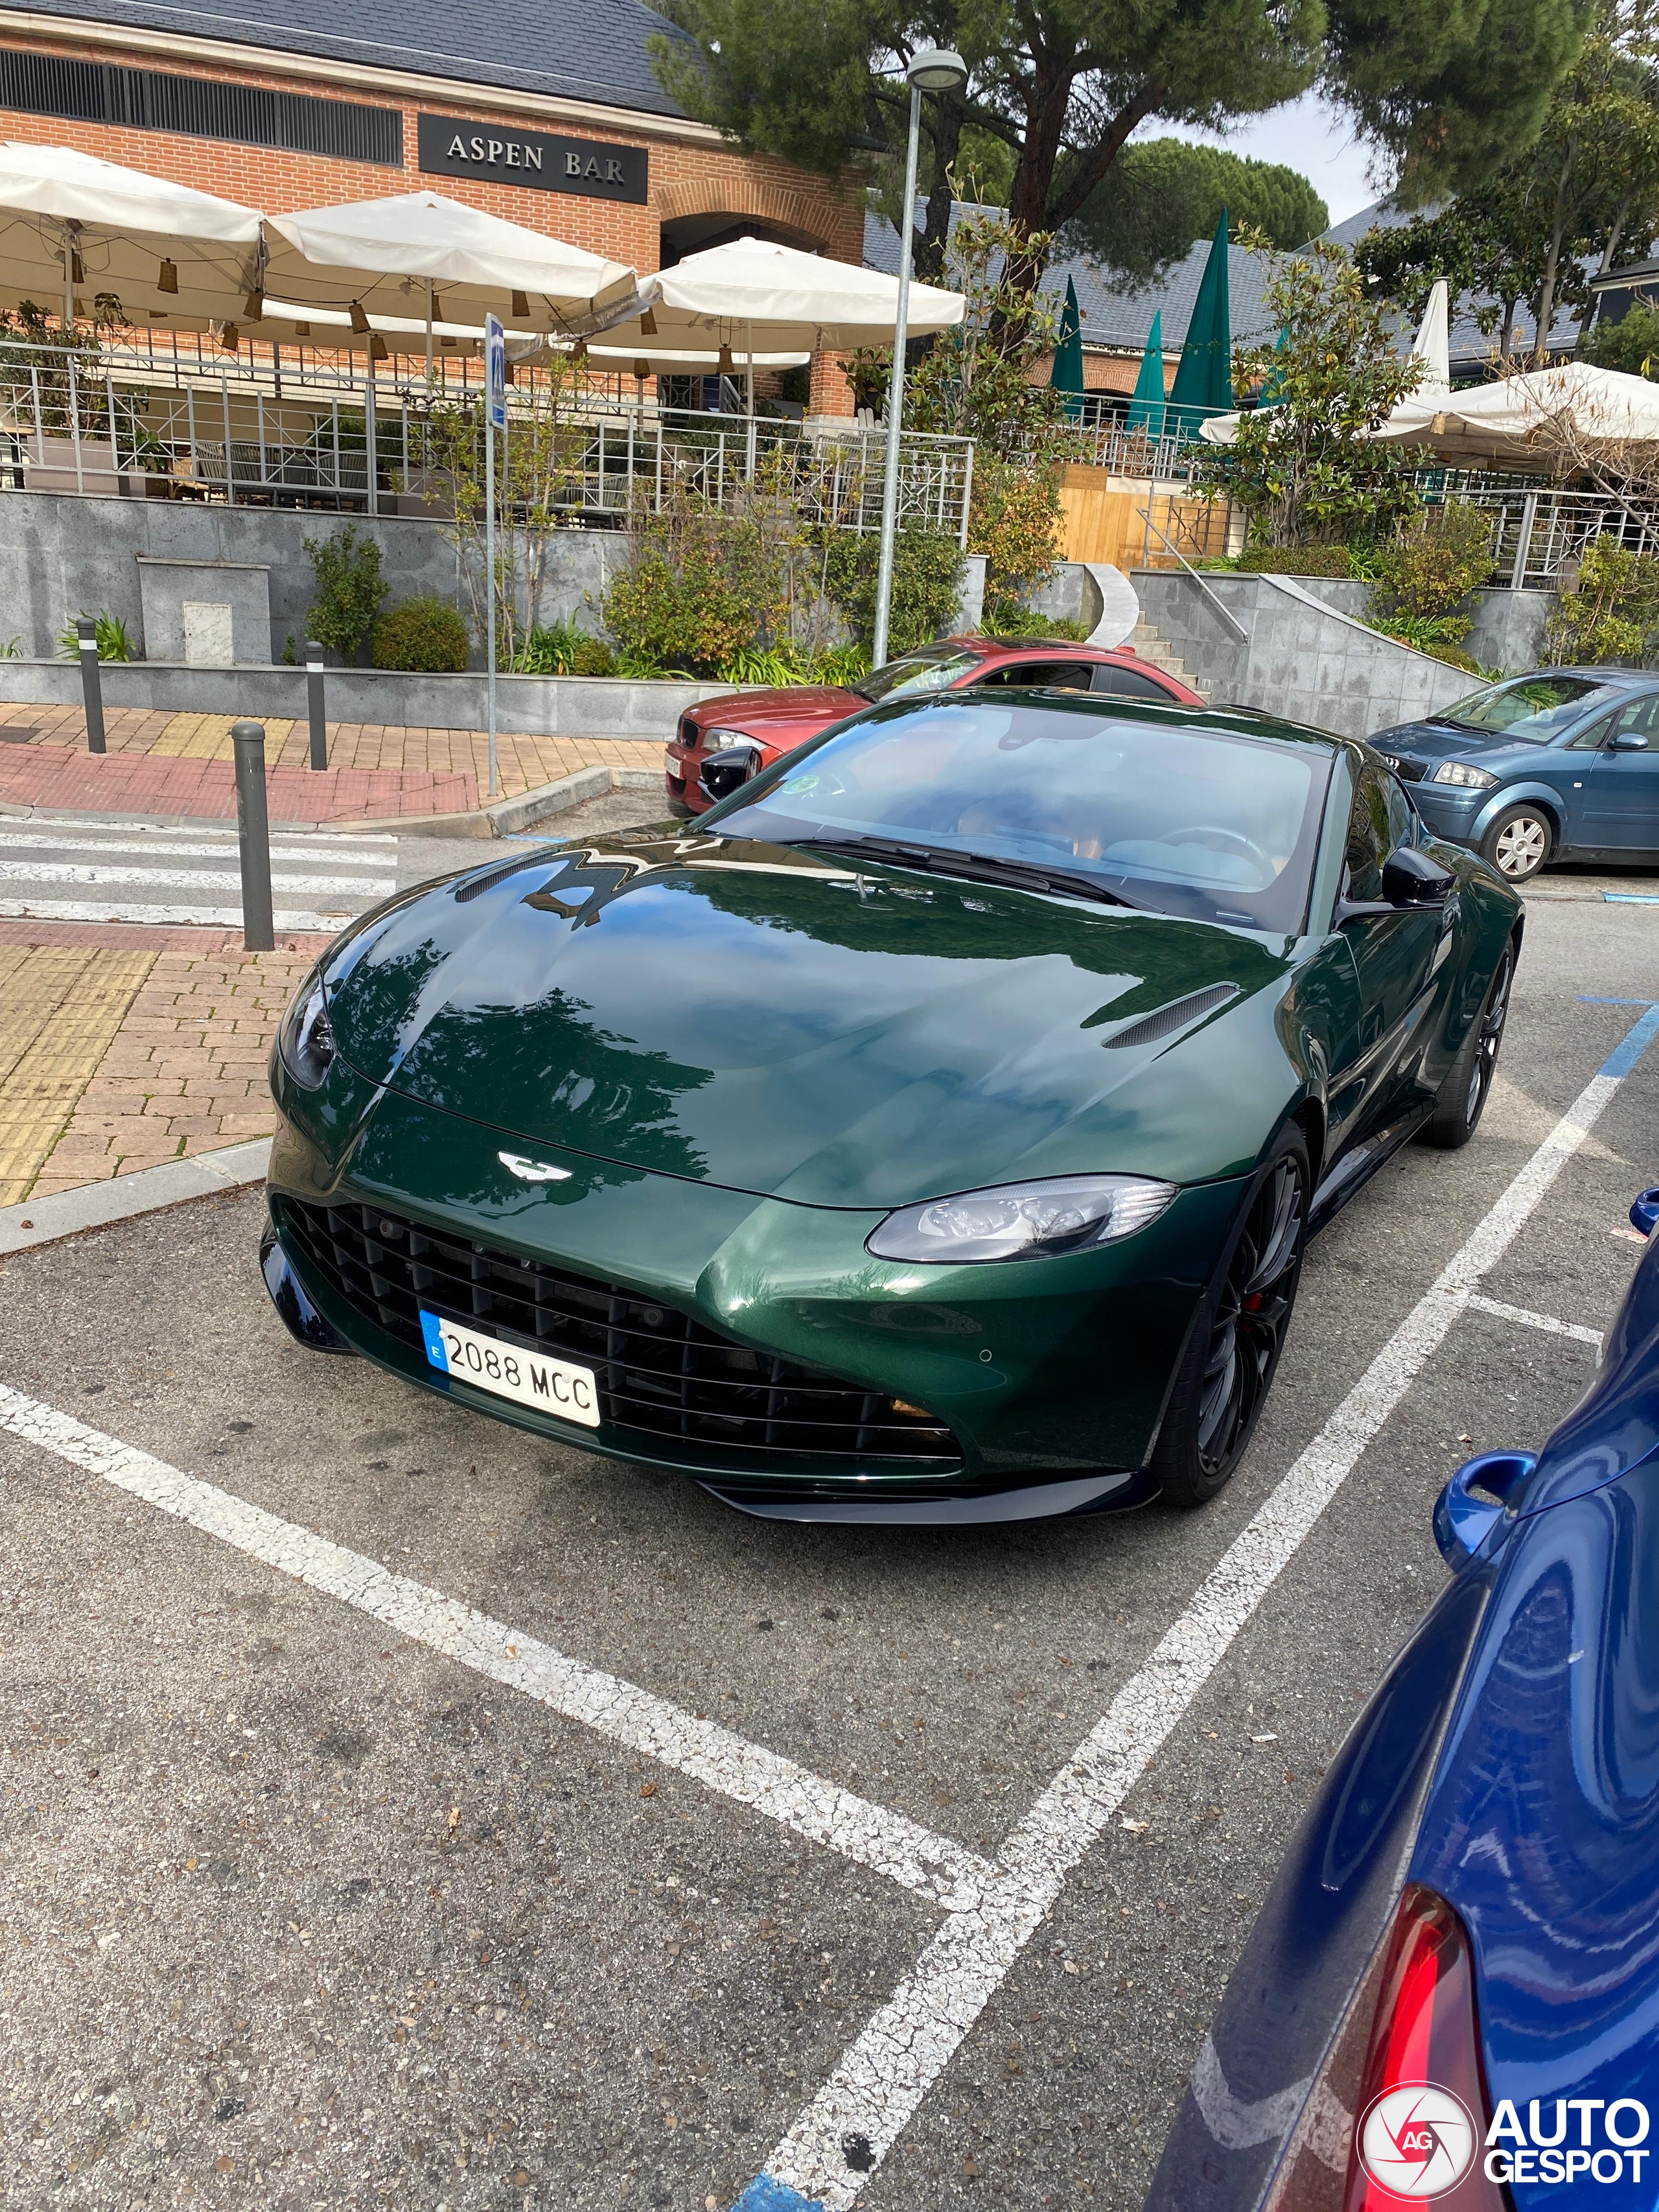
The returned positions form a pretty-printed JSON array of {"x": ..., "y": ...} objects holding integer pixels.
[
  {"x": 95, "y": 1205},
  {"x": 506, "y": 817}
]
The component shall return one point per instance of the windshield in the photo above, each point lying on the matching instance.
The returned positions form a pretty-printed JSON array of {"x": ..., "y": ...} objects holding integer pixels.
[
  {"x": 935, "y": 668},
  {"x": 1184, "y": 820},
  {"x": 1537, "y": 709}
]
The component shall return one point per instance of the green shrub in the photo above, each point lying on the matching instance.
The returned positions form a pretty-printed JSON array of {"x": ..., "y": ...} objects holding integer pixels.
[
  {"x": 562, "y": 648},
  {"x": 1631, "y": 345},
  {"x": 114, "y": 643},
  {"x": 1612, "y": 613},
  {"x": 1295, "y": 560},
  {"x": 927, "y": 571},
  {"x": 350, "y": 591},
  {"x": 1025, "y": 621},
  {"x": 843, "y": 665},
  {"x": 702, "y": 584},
  {"x": 1428, "y": 574},
  {"x": 426, "y": 635}
]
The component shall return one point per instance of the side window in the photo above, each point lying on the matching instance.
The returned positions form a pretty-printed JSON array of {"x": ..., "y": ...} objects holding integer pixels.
[
  {"x": 1368, "y": 841},
  {"x": 1128, "y": 682},
  {"x": 1638, "y": 719},
  {"x": 1592, "y": 739},
  {"x": 1054, "y": 675}
]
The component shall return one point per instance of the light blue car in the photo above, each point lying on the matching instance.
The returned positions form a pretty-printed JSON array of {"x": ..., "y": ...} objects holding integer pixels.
[{"x": 1562, "y": 765}]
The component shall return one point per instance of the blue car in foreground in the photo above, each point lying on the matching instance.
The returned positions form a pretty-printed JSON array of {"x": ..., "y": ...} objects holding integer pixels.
[
  {"x": 1561, "y": 764},
  {"x": 1452, "y": 1991}
]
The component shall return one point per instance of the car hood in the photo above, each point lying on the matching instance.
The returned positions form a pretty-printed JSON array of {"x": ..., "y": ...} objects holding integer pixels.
[
  {"x": 785, "y": 1024},
  {"x": 755, "y": 712},
  {"x": 1437, "y": 741}
]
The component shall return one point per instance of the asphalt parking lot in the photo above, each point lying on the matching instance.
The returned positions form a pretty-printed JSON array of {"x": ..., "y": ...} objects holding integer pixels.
[{"x": 318, "y": 1893}]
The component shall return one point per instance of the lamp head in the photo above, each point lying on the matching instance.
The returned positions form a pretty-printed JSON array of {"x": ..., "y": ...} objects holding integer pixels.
[{"x": 937, "y": 69}]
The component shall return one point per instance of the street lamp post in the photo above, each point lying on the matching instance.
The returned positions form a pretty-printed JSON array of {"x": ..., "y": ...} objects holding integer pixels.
[{"x": 935, "y": 69}]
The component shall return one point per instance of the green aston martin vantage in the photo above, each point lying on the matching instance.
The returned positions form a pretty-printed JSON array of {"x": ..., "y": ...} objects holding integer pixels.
[{"x": 933, "y": 1135}]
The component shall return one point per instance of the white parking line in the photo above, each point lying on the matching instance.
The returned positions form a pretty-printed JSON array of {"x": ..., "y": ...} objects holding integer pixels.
[
  {"x": 937, "y": 1868},
  {"x": 1537, "y": 1320},
  {"x": 321, "y": 853},
  {"x": 850, "y": 2125}
]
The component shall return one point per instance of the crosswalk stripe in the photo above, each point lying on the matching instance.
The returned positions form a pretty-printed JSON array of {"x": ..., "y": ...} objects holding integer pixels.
[
  {"x": 302, "y": 920},
  {"x": 78, "y": 827},
  {"x": 58, "y": 841},
  {"x": 204, "y": 879}
]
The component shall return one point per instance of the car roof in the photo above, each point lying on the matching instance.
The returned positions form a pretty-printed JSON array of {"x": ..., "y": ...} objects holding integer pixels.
[{"x": 983, "y": 642}]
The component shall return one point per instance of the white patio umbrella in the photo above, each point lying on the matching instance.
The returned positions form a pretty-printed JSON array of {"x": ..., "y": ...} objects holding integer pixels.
[
  {"x": 1500, "y": 422},
  {"x": 1431, "y": 346},
  {"x": 751, "y": 298},
  {"x": 72, "y": 227},
  {"x": 421, "y": 253}
]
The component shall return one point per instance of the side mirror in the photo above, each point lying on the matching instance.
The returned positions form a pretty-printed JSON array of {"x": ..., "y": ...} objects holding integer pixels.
[
  {"x": 1644, "y": 1211},
  {"x": 726, "y": 771},
  {"x": 1414, "y": 878},
  {"x": 1626, "y": 741}
]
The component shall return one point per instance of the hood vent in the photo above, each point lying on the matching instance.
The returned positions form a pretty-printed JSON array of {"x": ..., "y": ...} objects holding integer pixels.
[{"x": 1151, "y": 1028}]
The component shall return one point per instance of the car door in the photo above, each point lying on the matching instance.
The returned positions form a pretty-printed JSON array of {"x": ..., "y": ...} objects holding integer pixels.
[
  {"x": 1400, "y": 958},
  {"x": 1620, "y": 808}
]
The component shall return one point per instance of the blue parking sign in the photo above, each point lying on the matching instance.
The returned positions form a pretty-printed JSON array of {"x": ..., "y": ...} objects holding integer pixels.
[{"x": 495, "y": 371}]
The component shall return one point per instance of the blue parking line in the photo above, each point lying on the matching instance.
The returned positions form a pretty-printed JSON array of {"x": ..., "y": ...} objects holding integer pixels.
[
  {"x": 1632, "y": 898},
  {"x": 1624, "y": 1055},
  {"x": 764, "y": 2194}
]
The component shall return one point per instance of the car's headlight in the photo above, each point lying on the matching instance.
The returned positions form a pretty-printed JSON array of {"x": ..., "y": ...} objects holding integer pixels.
[
  {"x": 1022, "y": 1220},
  {"x": 305, "y": 1036},
  {"x": 714, "y": 740},
  {"x": 1466, "y": 778}
]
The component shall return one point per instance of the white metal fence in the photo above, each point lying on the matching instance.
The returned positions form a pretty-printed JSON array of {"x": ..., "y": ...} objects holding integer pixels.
[
  {"x": 293, "y": 428},
  {"x": 1539, "y": 533}
]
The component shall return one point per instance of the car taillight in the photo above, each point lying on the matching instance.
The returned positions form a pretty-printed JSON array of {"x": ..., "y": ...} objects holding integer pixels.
[{"x": 1398, "y": 2113}]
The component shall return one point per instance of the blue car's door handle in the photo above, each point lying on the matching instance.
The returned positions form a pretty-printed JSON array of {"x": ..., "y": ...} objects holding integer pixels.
[{"x": 1462, "y": 1523}]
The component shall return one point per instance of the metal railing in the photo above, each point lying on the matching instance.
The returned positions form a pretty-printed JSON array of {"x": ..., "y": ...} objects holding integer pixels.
[
  {"x": 1539, "y": 533},
  {"x": 292, "y": 428}
]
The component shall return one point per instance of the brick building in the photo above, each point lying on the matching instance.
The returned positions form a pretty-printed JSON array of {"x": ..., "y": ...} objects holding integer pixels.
[{"x": 545, "y": 112}]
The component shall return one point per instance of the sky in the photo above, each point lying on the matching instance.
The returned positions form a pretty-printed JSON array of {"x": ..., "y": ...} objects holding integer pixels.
[{"x": 1305, "y": 134}]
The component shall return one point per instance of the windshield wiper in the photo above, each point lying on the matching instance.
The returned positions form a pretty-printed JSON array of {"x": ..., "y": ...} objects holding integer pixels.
[{"x": 981, "y": 867}]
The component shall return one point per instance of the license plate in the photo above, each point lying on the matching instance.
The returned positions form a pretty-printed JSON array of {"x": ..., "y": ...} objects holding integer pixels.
[
  {"x": 529, "y": 1378},
  {"x": 671, "y": 760}
]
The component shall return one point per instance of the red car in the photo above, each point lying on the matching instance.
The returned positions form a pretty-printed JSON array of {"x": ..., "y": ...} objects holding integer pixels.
[{"x": 769, "y": 723}]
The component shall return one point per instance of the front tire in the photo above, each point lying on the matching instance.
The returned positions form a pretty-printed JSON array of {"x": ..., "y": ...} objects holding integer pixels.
[
  {"x": 1519, "y": 842},
  {"x": 1461, "y": 1098},
  {"x": 1232, "y": 1353}
]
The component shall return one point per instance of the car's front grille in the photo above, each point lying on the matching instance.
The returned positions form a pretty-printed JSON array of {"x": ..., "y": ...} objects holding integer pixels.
[
  {"x": 1408, "y": 771},
  {"x": 690, "y": 735},
  {"x": 661, "y": 1374}
]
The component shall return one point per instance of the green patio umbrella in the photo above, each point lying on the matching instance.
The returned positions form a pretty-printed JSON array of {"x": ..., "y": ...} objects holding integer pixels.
[
  {"x": 1066, "y": 375},
  {"x": 1147, "y": 408},
  {"x": 1204, "y": 381}
]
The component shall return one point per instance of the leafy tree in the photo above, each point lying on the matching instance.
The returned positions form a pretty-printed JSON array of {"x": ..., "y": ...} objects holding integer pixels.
[
  {"x": 1611, "y": 613},
  {"x": 1568, "y": 202},
  {"x": 1306, "y": 469},
  {"x": 1631, "y": 345},
  {"x": 349, "y": 590},
  {"x": 1161, "y": 196},
  {"x": 1447, "y": 90}
]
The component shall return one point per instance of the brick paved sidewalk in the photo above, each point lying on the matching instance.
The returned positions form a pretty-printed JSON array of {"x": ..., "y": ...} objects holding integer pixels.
[
  {"x": 120, "y": 1048},
  {"x": 160, "y": 764}
]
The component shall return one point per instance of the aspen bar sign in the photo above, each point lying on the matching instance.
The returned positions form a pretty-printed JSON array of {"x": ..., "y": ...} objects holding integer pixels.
[{"x": 450, "y": 146}]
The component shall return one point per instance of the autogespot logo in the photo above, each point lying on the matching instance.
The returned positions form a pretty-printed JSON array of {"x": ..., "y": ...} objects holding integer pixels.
[{"x": 1417, "y": 2140}]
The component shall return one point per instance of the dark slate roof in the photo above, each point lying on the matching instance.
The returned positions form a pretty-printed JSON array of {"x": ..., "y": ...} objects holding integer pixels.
[
  {"x": 1113, "y": 314},
  {"x": 595, "y": 51}
]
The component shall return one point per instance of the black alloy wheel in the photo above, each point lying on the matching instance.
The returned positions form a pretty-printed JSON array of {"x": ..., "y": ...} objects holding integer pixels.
[
  {"x": 1239, "y": 1333},
  {"x": 1461, "y": 1098}
]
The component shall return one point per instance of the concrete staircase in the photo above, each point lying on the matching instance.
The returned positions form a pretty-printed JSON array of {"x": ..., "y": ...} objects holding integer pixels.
[{"x": 1147, "y": 642}]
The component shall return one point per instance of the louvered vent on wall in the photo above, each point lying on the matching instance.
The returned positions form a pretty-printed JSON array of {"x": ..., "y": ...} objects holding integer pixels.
[{"x": 198, "y": 107}]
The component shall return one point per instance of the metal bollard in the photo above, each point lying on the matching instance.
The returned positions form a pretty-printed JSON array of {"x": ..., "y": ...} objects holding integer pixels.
[
  {"x": 253, "y": 837},
  {"x": 92, "y": 684},
  {"x": 314, "y": 703}
]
